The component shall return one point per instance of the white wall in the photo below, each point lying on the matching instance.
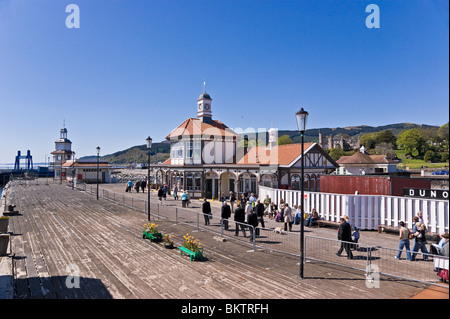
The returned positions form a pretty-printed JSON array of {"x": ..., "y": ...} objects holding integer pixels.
[{"x": 368, "y": 211}]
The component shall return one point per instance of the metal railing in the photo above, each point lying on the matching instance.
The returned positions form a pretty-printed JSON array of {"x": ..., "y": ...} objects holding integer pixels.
[{"x": 366, "y": 258}]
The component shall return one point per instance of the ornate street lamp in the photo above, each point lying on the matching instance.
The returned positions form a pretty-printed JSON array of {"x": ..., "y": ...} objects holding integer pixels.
[
  {"x": 73, "y": 170},
  {"x": 302, "y": 117},
  {"x": 149, "y": 146},
  {"x": 98, "y": 158}
]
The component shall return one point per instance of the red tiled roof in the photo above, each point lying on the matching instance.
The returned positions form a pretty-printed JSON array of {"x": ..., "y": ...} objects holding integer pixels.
[
  {"x": 279, "y": 155},
  {"x": 194, "y": 126}
]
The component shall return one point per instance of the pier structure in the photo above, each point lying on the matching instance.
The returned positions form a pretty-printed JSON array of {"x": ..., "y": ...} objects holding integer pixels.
[{"x": 67, "y": 244}]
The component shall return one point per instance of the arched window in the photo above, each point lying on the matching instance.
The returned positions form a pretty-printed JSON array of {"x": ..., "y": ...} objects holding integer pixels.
[
  {"x": 295, "y": 181},
  {"x": 197, "y": 182},
  {"x": 189, "y": 182}
]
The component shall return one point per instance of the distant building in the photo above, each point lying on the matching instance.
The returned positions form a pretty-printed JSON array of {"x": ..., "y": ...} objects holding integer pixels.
[
  {"x": 62, "y": 153},
  {"x": 86, "y": 172},
  {"x": 361, "y": 163},
  {"x": 338, "y": 141},
  {"x": 207, "y": 158}
]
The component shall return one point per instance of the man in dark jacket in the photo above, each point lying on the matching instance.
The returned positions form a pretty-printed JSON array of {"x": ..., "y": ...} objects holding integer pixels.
[
  {"x": 239, "y": 218},
  {"x": 259, "y": 208},
  {"x": 345, "y": 236},
  {"x": 226, "y": 213},
  {"x": 143, "y": 185},
  {"x": 252, "y": 220},
  {"x": 206, "y": 210}
]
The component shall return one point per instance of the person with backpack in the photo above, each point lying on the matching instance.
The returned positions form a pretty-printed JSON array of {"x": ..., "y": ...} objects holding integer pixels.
[
  {"x": 404, "y": 241},
  {"x": 420, "y": 241}
]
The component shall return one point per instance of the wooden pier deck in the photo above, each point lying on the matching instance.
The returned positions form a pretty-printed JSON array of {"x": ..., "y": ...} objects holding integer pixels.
[{"x": 59, "y": 229}]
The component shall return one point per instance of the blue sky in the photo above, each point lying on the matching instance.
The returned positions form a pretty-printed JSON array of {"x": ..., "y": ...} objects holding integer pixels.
[{"x": 135, "y": 68}]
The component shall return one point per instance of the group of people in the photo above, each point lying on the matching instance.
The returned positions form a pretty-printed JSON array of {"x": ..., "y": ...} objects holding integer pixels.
[
  {"x": 249, "y": 212},
  {"x": 138, "y": 185},
  {"x": 418, "y": 233}
]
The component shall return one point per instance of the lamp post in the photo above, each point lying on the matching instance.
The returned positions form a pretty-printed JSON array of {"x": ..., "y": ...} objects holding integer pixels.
[
  {"x": 302, "y": 117},
  {"x": 98, "y": 158},
  {"x": 73, "y": 170},
  {"x": 149, "y": 146}
]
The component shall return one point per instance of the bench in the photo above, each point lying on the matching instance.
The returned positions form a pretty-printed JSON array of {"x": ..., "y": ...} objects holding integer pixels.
[
  {"x": 152, "y": 237},
  {"x": 192, "y": 255},
  {"x": 327, "y": 223}
]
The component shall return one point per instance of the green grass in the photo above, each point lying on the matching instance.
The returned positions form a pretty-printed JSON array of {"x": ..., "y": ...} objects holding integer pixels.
[{"x": 413, "y": 163}]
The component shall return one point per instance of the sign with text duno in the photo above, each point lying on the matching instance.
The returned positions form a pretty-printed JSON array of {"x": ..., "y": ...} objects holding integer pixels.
[{"x": 426, "y": 193}]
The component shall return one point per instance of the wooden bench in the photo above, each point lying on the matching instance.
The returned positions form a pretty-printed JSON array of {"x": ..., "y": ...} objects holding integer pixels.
[
  {"x": 192, "y": 255},
  {"x": 327, "y": 223}
]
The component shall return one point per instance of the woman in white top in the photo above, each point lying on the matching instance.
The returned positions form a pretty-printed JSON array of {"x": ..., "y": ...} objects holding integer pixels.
[{"x": 288, "y": 218}]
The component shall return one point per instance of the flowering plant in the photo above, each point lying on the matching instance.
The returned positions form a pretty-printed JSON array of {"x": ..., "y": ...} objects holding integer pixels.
[
  {"x": 151, "y": 228},
  {"x": 191, "y": 243},
  {"x": 168, "y": 240}
]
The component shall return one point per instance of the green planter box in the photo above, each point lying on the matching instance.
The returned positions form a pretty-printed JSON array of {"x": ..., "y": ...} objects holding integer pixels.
[
  {"x": 192, "y": 255},
  {"x": 4, "y": 243},
  {"x": 152, "y": 237},
  {"x": 4, "y": 222}
]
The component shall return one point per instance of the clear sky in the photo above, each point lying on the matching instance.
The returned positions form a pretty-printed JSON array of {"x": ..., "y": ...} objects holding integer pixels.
[{"x": 135, "y": 68}]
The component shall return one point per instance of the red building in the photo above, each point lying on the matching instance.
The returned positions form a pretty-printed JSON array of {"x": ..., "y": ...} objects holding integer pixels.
[{"x": 389, "y": 185}]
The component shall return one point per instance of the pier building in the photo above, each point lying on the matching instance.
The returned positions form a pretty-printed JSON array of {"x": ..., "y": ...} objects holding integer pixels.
[
  {"x": 62, "y": 153},
  {"x": 207, "y": 158}
]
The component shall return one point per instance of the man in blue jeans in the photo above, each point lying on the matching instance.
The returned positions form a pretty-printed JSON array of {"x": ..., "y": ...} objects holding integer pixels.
[
  {"x": 420, "y": 242},
  {"x": 404, "y": 241}
]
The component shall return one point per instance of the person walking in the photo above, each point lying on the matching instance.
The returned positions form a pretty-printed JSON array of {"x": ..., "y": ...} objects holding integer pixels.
[
  {"x": 225, "y": 214},
  {"x": 184, "y": 199},
  {"x": 232, "y": 201},
  {"x": 420, "y": 242},
  {"x": 160, "y": 194},
  {"x": 137, "y": 186},
  {"x": 175, "y": 192},
  {"x": 288, "y": 218},
  {"x": 206, "y": 210},
  {"x": 165, "y": 189},
  {"x": 143, "y": 185},
  {"x": 259, "y": 209},
  {"x": 252, "y": 221},
  {"x": 239, "y": 218},
  {"x": 345, "y": 236},
  {"x": 404, "y": 241},
  {"x": 130, "y": 185}
]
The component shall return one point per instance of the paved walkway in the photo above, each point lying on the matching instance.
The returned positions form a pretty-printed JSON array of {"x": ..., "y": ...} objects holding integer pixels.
[{"x": 61, "y": 232}]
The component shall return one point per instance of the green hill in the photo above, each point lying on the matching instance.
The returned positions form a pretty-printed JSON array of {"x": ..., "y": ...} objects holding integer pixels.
[{"x": 161, "y": 151}]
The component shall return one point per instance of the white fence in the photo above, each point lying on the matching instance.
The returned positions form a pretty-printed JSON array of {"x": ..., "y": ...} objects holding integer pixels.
[{"x": 367, "y": 211}]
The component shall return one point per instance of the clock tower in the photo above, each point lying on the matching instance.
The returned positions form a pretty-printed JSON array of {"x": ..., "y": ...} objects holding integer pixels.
[{"x": 204, "y": 108}]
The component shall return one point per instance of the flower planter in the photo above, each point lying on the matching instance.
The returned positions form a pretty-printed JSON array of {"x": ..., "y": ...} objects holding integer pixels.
[
  {"x": 4, "y": 222},
  {"x": 192, "y": 255},
  {"x": 152, "y": 236},
  {"x": 4, "y": 243}
]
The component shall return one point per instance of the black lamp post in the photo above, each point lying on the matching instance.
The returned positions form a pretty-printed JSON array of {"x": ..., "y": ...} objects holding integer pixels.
[
  {"x": 73, "y": 170},
  {"x": 149, "y": 146},
  {"x": 302, "y": 117},
  {"x": 98, "y": 158}
]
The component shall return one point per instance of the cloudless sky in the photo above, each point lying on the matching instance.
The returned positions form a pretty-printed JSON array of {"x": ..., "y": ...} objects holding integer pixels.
[{"x": 135, "y": 68}]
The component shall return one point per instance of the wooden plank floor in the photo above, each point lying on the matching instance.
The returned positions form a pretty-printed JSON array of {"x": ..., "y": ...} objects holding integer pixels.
[{"x": 59, "y": 228}]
